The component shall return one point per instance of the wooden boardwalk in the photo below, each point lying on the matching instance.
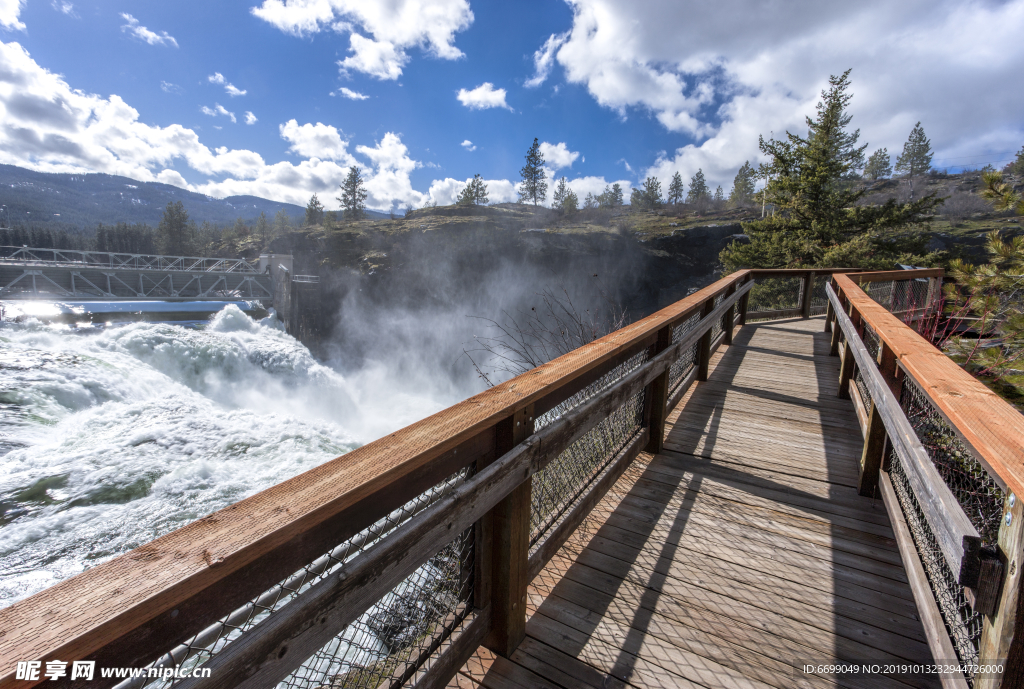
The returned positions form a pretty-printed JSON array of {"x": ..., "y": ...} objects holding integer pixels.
[{"x": 736, "y": 556}]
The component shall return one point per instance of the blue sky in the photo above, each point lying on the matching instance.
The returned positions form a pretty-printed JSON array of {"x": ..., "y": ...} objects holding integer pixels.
[{"x": 277, "y": 98}]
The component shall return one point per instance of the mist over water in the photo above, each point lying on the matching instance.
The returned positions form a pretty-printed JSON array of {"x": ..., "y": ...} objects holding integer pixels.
[{"x": 112, "y": 437}]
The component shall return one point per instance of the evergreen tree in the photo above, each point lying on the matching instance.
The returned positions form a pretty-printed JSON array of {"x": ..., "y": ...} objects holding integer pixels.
[
  {"x": 561, "y": 192},
  {"x": 916, "y": 158},
  {"x": 879, "y": 165},
  {"x": 282, "y": 223},
  {"x": 647, "y": 197},
  {"x": 589, "y": 201},
  {"x": 353, "y": 195},
  {"x": 742, "y": 193},
  {"x": 819, "y": 222},
  {"x": 571, "y": 203},
  {"x": 719, "y": 196},
  {"x": 314, "y": 211},
  {"x": 616, "y": 195},
  {"x": 1017, "y": 166},
  {"x": 474, "y": 193},
  {"x": 676, "y": 189},
  {"x": 263, "y": 226},
  {"x": 698, "y": 188},
  {"x": 533, "y": 187},
  {"x": 176, "y": 233}
]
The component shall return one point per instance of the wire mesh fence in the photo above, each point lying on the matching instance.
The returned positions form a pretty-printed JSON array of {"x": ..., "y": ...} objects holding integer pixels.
[
  {"x": 682, "y": 366},
  {"x": 979, "y": 495},
  {"x": 566, "y": 479},
  {"x": 819, "y": 298},
  {"x": 384, "y": 642},
  {"x": 716, "y": 327},
  {"x": 910, "y": 300},
  {"x": 962, "y": 623},
  {"x": 774, "y": 294}
]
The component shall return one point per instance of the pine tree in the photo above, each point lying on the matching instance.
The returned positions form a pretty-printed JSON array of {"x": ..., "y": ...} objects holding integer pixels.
[
  {"x": 589, "y": 201},
  {"x": 353, "y": 195},
  {"x": 282, "y": 222},
  {"x": 820, "y": 222},
  {"x": 561, "y": 190},
  {"x": 533, "y": 187},
  {"x": 719, "y": 195},
  {"x": 474, "y": 193},
  {"x": 916, "y": 158},
  {"x": 263, "y": 226},
  {"x": 879, "y": 165},
  {"x": 616, "y": 197},
  {"x": 742, "y": 192},
  {"x": 571, "y": 204},
  {"x": 1017, "y": 166},
  {"x": 314, "y": 211},
  {"x": 676, "y": 189},
  {"x": 176, "y": 232},
  {"x": 651, "y": 194},
  {"x": 698, "y": 188}
]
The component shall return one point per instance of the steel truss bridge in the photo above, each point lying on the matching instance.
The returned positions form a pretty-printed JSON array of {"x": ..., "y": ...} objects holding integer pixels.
[{"x": 27, "y": 273}]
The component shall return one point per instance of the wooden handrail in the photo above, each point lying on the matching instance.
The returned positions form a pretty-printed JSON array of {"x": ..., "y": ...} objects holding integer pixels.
[
  {"x": 134, "y": 608},
  {"x": 987, "y": 424}
]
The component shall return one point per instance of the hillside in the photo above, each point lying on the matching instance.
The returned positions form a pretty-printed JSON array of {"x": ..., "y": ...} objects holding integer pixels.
[{"x": 41, "y": 200}]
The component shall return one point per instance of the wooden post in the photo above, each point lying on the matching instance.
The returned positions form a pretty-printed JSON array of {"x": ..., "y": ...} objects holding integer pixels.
[
  {"x": 829, "y": 315},
  {"x": 729, "y": 318},
  {"x": 833, "y": 349},
  {"x": 704, "y": 353},
  {"x": 805, "y": 295},
  {"x": 1002, "y": 637},
  {"x": 846, "y": 370},
  {"x": 656, "y": 397},
  {"x": 510, "y": 546},
  {"x": 743, "y": 307},
  {"x": 873, "y": 453}
]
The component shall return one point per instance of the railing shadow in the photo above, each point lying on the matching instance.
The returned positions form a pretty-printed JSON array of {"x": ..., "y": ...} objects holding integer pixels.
[{"x": 622, "y": 596}]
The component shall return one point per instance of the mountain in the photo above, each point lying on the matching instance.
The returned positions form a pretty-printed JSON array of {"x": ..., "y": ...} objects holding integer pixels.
[{"x": 80, "y": 202}]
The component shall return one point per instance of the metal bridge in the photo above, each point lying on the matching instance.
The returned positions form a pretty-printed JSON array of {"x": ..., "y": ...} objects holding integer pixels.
[{"x": 28, "y": 273}]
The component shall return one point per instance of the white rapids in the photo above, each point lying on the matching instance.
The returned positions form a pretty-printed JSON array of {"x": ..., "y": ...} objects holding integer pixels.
[{"x": 113, "y": 438}]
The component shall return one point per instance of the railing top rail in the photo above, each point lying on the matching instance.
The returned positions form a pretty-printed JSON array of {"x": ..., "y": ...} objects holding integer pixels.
[
  {"x": 113, "y": 259},
  {"x": 987, "y": 423},
  {"x": 888, "y": 275},
  {"x": 149, "y": 583}
]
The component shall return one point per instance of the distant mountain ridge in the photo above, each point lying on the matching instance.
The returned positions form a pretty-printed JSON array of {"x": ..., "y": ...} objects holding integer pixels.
[{"x": 57, "y": 201}]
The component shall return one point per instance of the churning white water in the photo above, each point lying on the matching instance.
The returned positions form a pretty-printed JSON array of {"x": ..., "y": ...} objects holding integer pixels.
[{"x": 112, "y": 438}]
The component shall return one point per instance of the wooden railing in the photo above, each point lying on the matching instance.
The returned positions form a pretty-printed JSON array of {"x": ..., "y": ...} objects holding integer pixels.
[
  {"x": 474, "y": 461},
  {"x": 946, "y": 455},
  {"x": 254, "y": 591}
]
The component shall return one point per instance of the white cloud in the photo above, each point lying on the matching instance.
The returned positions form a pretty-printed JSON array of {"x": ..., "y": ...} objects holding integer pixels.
[
  {"x": 143, "y": 34},
  {"x": 740, "y": 68},
  {"x": 482, "y": 97},
  {"x": 250, "y": 118},
  {"x": 391, "y": 28},
  {"x": 445, "y": 192},
  {"x": 350, "y": 94},
  {"x": 468, "y": 145},
  {"x": 544, "y": 59},
  {"x": 9, "y": 12},
  {"x": 168, "y": 87},
  {"x": 218, "y": 109},
  {"x": 64, "y": 7},
  {"x": 316, "y": 141},
  {"x": 389, "y": 182},
  {"x": 232, "y": 90},
  {"x": 558, "y": 155}
]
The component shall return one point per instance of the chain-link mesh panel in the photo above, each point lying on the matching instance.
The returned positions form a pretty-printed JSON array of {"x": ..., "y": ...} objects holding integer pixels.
[
  {"x": 774, "y": 294},
  {"x": 819, "y": 298},
  {"x": 979, "y": 495},
  {"x": 391, "y": 640},
  {"x": 903, "y": 297},
  {"x": 963, "y": 625},
  {"x": 608, "y": 379},
  {"x": 688, "y": 359},
  {"x": 215, "y": 638},
  {"x": 566, "y": 479},
  {"x": 716, "y": 327}
]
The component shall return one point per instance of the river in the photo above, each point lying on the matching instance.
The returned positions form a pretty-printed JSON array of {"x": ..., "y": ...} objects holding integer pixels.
[{"x": 113, "y": 436}]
